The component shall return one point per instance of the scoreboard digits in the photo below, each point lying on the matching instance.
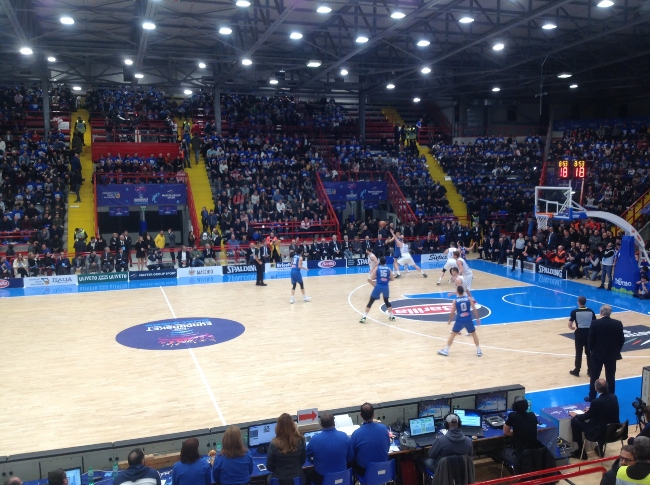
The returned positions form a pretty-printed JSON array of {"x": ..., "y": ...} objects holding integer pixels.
[{"x": 571, "y": 169}]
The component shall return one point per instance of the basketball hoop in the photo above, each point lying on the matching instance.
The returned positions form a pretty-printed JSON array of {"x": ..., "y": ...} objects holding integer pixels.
[{"x": 542, "y": 220}]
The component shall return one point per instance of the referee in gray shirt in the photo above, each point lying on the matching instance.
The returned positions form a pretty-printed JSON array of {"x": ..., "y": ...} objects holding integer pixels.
[
  {"x": 582, "y": 317},
  {"x": 518, "y": 246}
]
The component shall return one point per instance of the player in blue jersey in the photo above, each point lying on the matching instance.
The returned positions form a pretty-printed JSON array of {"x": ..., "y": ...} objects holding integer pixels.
[
  {"x": 462, "y": 309},
  {"x": 379, "y": 277},
  {"x": 296, "y": 277}
]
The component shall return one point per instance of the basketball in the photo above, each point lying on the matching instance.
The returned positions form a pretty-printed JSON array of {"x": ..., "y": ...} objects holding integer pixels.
[{"x": 382, "y": 224}]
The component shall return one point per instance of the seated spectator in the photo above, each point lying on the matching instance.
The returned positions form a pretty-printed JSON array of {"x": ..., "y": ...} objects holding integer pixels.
[
  {"x": 286, "y": 453},
  {"x": 121, "y": 260},
  {"x": 6, "y": 269},
  {"x": 107, "y": 261},
  {"x": 137, "y": 473},
  {"x": 93, "y": 263},
  {"x": 643, "y": 288},
  {"x": 625, "y": 458},
  {"x": 155, "y": 260},
  {"x": 453, "y": 443},
  {"x": 521, "y": 424},
  {"x": 209, "y": 256},
  {"x": 639, "y": 471},
  {"x": 328, "y": 450},
  {"x": 184, "y": 258},
  {"x": 191, "y": 469},
  {"x": 234, "y": 464},
  {"x": 370, "y": 443},
  {"x": 197, "y": 258},
  {"x": 63, "y": 265},
  {"x": 20, "y": 266},
  {"x": 79, "y": 264}
]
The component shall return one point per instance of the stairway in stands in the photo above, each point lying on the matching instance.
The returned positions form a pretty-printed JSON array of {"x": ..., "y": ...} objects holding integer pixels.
[
  {"x": 82, "y": 214},
  {"x": 435, "y": 170}
]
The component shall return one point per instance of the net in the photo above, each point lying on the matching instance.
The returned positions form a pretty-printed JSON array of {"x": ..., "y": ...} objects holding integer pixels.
[{"x": 542, "y": 221}]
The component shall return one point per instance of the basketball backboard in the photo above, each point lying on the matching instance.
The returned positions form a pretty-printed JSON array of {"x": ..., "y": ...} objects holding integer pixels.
[{"x": 558, "y": 203}]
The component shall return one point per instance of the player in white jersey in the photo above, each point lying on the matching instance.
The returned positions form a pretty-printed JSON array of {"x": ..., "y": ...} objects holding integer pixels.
[
  {"x": 405, "y": 259},
  {"x": 464, "y": 270},
  {"x": 373, "y": 262},
  {"x": 451, "y": 262}
]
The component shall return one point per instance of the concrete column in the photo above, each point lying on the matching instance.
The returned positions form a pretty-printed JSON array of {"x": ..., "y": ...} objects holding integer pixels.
[
  {"x": 217, "y": 110},
  {"x": 46, "y": 106},
  {"x": 362, "y": 114}
]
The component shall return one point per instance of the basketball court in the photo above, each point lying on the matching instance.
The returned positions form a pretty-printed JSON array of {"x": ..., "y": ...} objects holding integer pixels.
[{"x": 83, "y": 368}]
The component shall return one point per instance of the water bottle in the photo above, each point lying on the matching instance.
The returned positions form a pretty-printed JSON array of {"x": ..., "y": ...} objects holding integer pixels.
[
  {"x": 91, "y": 476},
  {"x": 115, "y": 468},
  {"x": 219, "y": 447}
]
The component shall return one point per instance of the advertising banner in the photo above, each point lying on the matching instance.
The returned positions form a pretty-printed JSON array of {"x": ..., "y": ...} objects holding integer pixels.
[
  {"x": 199, "y": 271},
  {"x": 84, "y": 279},
  {"x": 357, "y": 262},
  {"x": 11, "y": 283},
  {"x": 548, "y": 271},
  {"x": 277, "y": 266},
  {"x": 118, "y": 211},
  {"x": 44, "y": 281},
  {"x": 124, "y": 195},
  {"x": 239, "y": 268},
  {"x": 626, "y": 271},
  {"x": 327, "y": 264},
  {"x": 432, "y": 258},
  {"x": 345, "y": 191},
  {"x": 167, "y": 210},
  {"x": 151, "y": 275}
]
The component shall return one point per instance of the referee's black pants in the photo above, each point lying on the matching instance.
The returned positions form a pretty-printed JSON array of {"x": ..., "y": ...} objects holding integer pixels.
[
  {"x": 259, "y": 268},
  {"x": 582, "y": 343},
  {"x": 517, "y": 255}
]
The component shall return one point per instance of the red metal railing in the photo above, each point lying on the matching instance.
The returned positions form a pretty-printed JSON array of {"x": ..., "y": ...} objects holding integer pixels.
[
  {"x": 400, "y": 205},
  {"x": 499, "y": 130},
  {"x": 633, "y": 213},
  {"x": 439, "y": 119},
  {"x": 540, "y": 477},
  {"x": 424, "y": 135},
  {"x": 191, "y": 207},
  {"x": 7, "y": 237},
  {"x": 289, "y": 230},
  {"x": 95, "y": 202},
  {"x": 325, "y": 200}
]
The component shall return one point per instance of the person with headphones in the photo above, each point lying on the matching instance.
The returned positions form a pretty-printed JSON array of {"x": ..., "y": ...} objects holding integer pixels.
[
  {"x": 521, "y": 424},
  {"x": 454, "y": 442}
]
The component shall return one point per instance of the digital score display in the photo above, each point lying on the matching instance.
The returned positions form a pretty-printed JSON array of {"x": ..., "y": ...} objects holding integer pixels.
[{"x": 571, "y": 169}]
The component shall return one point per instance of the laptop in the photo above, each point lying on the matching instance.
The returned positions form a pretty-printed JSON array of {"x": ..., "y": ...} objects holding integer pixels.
[
  {"x": 471, "y": 421},
  {"x": 423, "y": 431}
]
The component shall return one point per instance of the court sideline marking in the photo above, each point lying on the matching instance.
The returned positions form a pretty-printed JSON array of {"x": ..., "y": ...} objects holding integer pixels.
[
  {"x": 467, "y": 343},
  {"x": 198, "y": 367}
]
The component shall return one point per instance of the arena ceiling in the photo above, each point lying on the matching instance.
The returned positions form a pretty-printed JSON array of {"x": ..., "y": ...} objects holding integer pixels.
[{"x": 605, "y": 49}]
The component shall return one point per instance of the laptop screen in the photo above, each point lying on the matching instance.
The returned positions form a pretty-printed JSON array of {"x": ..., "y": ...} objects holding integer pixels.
[
  {"x": 309, "y": 435},
  {"x": 261, "y": 435},
  {"x": 469, "y": 417},
  {"x": 74, "y": 476},
  {"x": 420, "y": 426}
]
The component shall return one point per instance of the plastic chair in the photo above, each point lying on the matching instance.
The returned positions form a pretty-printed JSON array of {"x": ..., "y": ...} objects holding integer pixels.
[
  {"x": 613, "y": 433},
  {"x": 338, "y": 478},
  {"x": 378, "y": 473}
]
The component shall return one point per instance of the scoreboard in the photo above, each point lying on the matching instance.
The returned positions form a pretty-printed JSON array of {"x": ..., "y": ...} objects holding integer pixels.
[{"x": 571, "y": 169}]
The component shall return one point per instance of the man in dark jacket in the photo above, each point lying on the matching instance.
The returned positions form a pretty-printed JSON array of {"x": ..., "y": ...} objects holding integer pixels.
[
  {"x": 137, "y": 473},
  {"x": 606, "y": 340},
  {"x": 594, "y": 421},
  {"x": 639, "y": 472},
  {"x": 453, "y": 443}
]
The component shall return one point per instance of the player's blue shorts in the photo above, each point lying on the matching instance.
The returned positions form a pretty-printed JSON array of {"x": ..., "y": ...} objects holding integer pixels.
[
  {"x": 462, "y": 323},
  {"x": 296, "y": 278},
  {"x": 378, "y": 291}
]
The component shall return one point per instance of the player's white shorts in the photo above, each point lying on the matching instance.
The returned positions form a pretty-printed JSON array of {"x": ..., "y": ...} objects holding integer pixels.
[
  {"x": 467, "y": 281},
  {"x": 451, "y": 263},
  {"x": 406, "y": 261}
]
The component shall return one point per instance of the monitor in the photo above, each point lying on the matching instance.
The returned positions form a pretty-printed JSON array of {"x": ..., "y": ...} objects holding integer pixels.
[
  {"x": 420, "y": 426},
  {"x": 492, "y": 402},
  {"x": 261, "y": 434},
  {"x": 469, "y": 417},
  {"x": 438, "y": 408},
  {"x": 309, "y": 435},
  {"x": 74, "y": 476}
]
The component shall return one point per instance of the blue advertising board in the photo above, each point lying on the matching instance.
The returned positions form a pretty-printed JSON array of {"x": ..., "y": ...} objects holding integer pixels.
[
  {"x": 12, "y": 283},
  {"x": 167, "y": 210},
  {"x": 124, "y": 195},
  {"x": 118, "y": 211},
  {"x": 626, "y": 271},
  {"x": 345, "y": 191}
]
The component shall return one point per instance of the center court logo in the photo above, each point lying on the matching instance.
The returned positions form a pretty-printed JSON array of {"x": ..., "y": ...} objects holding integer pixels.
[
  {"x": 427, "y": 309},
  {"x": 180, "y": 333}
]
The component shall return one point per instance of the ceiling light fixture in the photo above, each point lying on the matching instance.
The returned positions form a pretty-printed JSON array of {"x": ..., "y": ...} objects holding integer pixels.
[
  {"x": 573, "y": 86},
  {"x": 128, "y": 62},
  {"x": 390, "y": 86},
  {"x": 466, "y": 19},
  {"x": 564, "y": 75},
  {"x": 273, "y": 81},
  {"x": 139, "y": 76},
  {"x": 65, "y": 20},
  {"x": 295, "y": 35},
  {"x": 76, "y": 88},
  {"x": 397, "y": 15},
  {"x": 344, "y": 72},
  {"x": 425, "y": 70},
  {"x": 225, "y": 31},
  {"x": 148, "y": 25},
  {"x": 202, "y": 65},
  {"x": 498, "y": 46},
  {"x": 423, "y": 43},
  {"x": 416, "y": 100},
  {"x": 548, "y": 25},
  {"x": 26, "y": 51},
  {"x": 243, "y": 3},
  {"x": 323, "y": 9},
  {"x": 246, "y": 62},
  {"x": 188, "y": 91},
  {"x": 314, "y": 63},
  {"x": 496, "y": 90},
  {"x": 51, "y": 59},
  {"x": 362, "y": 39},
  {"x": 605, "y": 3}
]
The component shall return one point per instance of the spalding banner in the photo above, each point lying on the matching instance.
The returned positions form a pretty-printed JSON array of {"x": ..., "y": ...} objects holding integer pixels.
[
  {"x": 180, "y": 333},
  {"x": 626, "y": 271}
]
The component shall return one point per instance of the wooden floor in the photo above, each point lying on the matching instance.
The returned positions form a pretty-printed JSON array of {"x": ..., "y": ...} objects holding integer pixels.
[{"x": 67, "y": 382}]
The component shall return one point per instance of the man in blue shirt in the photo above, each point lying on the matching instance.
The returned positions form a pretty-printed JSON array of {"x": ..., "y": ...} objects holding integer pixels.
[
  {"x": 370, "y": 443},
  {"x": 328, "y": 450}
]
